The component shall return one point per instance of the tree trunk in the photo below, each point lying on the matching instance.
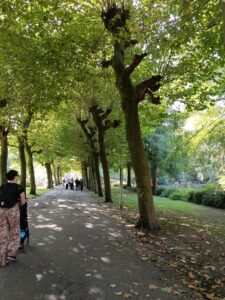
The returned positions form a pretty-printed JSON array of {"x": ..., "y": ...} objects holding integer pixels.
[
  {"x": 84, "y": 173},
  {"x": 128, "y": 175},
  {"x": 23, "y": 164},
  {"x": 49, "y": 175},
  {"x": 93, "y": 184},
  {"x": 105, "y": 165},
  {"x": 4, "y": 154},
  {"x": 31, "y": 169},
  {"x": 97, "y": 174},
  {"x": 154, "y": 175},
  {"x": 54, "y": 173},
  {"x": 121, "y": 176},
  {"x": 58, "y": 175},
  {"x": 147, "y": 218}
]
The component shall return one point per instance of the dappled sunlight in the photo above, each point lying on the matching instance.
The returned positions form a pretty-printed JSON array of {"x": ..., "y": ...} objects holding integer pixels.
[
  {"x": 105, "y": 260},
  {"x": 55, "y": 297},
  {"x": 99, "y": 276},
  {"x": 94, "y": 291},
  {"x": 41, "y": 244},
  {"x": 42, "y": 218},
  {"x": 89, "y": 225},
  {"x": 115, "y": 234},
  {"x": 76, "y": 250},
  {"x": 49, "y": 226},
  {"x": 39, "y": 277}
]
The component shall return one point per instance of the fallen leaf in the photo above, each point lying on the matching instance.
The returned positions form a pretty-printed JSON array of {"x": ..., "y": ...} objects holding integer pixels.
[
  {"x": 152, "y": 287},
  {"x": 167, "y": 290},
  {"x": 127, "y": 295},
  {"x": 119, "y": 293},
  {"x": 112, "y": 285}
]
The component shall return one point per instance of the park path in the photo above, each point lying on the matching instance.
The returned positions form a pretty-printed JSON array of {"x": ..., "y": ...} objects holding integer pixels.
[{"x": 78, "y": 252}]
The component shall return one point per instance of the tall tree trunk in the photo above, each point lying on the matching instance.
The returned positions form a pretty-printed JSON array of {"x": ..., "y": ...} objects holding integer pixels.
[
  {"x": 128, "y": 175},
  {"x": 99, "y": 117},
  {"x": 97, "y": 174},
  {"x": 31, "y": 169},
  {"x": 93, "y": 182},
  {"x": 4, "y": 154},
  {"x": 154, "y": 176},
  {"x": 58, "y": 175},
  {"x": 105, "y": 166},
  {"x": 23, "y": 164},
  {"x": 54, "y": 173},
  {"x": 121, "y": 176},
  {"x": 84, "y": 173},
  {"x": 131, "y": 96},
  {"x": 49, "y": 175},
  {"x": 147, "y": 218}
]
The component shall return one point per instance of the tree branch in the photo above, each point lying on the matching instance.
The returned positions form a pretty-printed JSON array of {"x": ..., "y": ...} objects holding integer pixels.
[
  {"x": 148, "y": 87},
  {"x": 106, "y": 63},
  {"x": 108, "y": 124},
  {"x": 136, "y": 61},
  {"x": 3, "y": 103},
  {"x": 37, "y": 151}
]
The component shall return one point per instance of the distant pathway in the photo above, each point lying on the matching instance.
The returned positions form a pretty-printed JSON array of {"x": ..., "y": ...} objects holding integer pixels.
[{"x": 78, "y": 252}]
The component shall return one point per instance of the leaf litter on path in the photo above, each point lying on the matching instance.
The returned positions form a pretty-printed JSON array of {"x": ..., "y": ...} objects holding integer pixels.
[{"x": 193, "y": 252}]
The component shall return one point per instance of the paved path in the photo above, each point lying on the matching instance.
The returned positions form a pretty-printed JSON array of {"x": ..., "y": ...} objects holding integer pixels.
[{"x": 77, "y": 251}]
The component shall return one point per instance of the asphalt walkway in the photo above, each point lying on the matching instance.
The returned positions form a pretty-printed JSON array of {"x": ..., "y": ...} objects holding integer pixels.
[{"x": 78, "y": 252}]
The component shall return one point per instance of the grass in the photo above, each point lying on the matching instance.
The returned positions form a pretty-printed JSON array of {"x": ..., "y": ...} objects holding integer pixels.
[
  {"x": 194, "y": 215},
  {"x": 39, "y": 191}
]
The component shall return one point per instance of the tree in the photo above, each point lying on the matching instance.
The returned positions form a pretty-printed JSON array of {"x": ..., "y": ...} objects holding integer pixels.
[
  {"x": 115, "y": 19},
  {"x": 102, "y": 123}
]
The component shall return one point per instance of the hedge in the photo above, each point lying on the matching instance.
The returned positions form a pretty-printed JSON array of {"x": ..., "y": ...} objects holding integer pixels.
[{"x": 209, "y": 196}]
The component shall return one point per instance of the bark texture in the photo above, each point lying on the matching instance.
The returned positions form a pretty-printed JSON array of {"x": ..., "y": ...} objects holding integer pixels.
[
  {"x": 4, "y": 154},
  {"x": 128, "y": 175},
  {"x": 84, "y": 170},
  {"x": 23, "y": 164},
  {"x": 31, "y": 169},
  {"x": 49, "y": 175},
  {"x": 89, "y": 134},
  {"x": 99, "y": 117}
]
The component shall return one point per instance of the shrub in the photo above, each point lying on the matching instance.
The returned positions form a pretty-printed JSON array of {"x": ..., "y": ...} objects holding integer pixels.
[
  {"x": 209, "y": 196},
  {"x": 196, "y": 196},
  {"x": 180, "y": 194}
]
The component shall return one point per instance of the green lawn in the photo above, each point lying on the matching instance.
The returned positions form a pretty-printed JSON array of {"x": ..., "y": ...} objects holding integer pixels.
[
  {"x": 40, "y": 191},
  {"x": 195, "y": 215}
]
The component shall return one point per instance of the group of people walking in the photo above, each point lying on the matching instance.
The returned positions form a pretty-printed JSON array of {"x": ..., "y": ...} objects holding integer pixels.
[
  {"x": 12, "y": 198},
  {"x": 72, "y": 184}
]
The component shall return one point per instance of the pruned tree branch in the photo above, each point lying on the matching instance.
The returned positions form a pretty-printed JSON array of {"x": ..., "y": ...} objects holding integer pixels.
[
  {"x": 106, "y": 63},
  {"x": 37, "y": 151},
  {"x": 148, "y": 87},
  {"x": 109, "y": 124},
  {"x": 136, "y": 61},
  {"x": 3, "y": 103}
]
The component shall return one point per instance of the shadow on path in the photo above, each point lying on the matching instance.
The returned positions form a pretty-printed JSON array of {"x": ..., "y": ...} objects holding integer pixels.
[{"x": 77, "y": 252}]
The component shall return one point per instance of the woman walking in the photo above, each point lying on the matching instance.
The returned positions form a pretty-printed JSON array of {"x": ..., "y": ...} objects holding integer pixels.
[{"x": 12, "y": 196}]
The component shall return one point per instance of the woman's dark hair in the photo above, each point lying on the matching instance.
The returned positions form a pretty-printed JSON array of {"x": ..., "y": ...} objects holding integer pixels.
[{"x": 11, "y": 174}]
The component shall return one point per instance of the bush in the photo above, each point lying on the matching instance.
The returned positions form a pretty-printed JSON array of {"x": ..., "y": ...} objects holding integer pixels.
[
  {"x": 214, "y": 199},
  {"x": 209, "y": 196},
  {"x": 180, "y": 194},
  {"x": 196, "y": 196}
]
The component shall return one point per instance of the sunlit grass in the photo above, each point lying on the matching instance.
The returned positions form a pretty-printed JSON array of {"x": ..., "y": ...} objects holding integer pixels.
[
  {"x": 39, "y": 191},
  {"x": 196, "y": 215}
]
